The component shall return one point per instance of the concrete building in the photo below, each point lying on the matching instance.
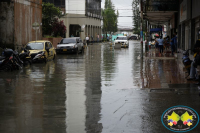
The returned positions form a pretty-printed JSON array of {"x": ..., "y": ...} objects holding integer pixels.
[
  {"x": 17, "y": 19},
  {"x": 180, "y": 16},
  {"x": 83, "y": 18}
]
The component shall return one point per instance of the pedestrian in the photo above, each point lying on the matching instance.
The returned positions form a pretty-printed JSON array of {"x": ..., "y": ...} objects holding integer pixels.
[
  {"x": 110, "y": 38},
  {"x": 72, "y": 35},
  {"x": 98, "y": 38},
  {"x": 107, "y": 38},
  {"x": 160, "y": 43},
  {"x": 156, "y": 43},
  {"x": 193, "y": 71},
  {"x": 92, "y": 39},
  {"x": 175, "y": 42},
  {"x": 172, "y": 45},
  {"x": 87, "y": 40}
]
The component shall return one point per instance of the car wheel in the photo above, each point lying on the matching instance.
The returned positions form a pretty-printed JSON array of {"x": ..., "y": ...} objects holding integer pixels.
[
  {"x": 82, "y": 50},
  {"x": 76, "y": 51},
  {"x": 45, "y": 60}
]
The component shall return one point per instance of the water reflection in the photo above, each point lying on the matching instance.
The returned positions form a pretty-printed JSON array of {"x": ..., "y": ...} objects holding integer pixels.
[
  {"x": 93, "y": 90},
  {"x": 117, "y": 90}
]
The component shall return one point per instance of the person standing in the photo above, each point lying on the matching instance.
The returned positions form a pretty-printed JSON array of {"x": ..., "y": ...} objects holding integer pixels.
[
  {"x": 160, "y": 43},
  {"x": 92, "y": 39},
  {"x": 172, "y": 44},
  {"x": 72, "y": 35},
  {"x": 175, "y": 42},
  {"x": 87, "y": 40},
  {"x": 98, "y": 38}
]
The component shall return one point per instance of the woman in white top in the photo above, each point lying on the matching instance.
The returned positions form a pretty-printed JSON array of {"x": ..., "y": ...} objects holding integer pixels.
[{"x": 160, "y": 43}]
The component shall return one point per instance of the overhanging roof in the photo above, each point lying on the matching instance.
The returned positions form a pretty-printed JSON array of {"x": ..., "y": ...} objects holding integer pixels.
[{"x": 158, "y": 17}]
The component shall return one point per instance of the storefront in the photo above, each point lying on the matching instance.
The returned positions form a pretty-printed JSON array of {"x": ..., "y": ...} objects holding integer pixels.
[
  {"x": 184, "y": 32},
  {"x": 195, "y": 21}
]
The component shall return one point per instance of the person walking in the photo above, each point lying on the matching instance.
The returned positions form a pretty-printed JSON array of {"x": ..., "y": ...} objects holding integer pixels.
[{"x": 160, "y": 43}]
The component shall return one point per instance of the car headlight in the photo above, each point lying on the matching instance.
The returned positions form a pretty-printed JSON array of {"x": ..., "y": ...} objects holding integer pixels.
[
  {"x": 41, "y": 53},
  {"x": 73, "y": 46}
]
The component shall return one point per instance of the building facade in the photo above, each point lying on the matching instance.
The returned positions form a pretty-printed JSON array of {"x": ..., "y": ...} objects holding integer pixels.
[
  {"x": 83, "y": 18},
  {"x": 17, "y": 20}
]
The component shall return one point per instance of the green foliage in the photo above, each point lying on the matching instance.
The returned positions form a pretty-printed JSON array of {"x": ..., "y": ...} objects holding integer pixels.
[
  {"x": 109, "y": 17},
  {"x": 49, "y": 13},
  {"x": 136, "y": 17},
  {"x": 58, "y": 28}
]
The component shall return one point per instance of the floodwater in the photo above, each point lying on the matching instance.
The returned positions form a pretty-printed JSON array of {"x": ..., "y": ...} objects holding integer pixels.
[{"x": 103, "y": 90}]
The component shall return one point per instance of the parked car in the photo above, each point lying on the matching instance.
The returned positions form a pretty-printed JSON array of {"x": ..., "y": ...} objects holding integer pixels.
[
  {"x": 70, "y": 45},
  {"x": 132, "y": 38},
  {"x": 123, "y": 40},
  {"x": 41, "y": 50}
]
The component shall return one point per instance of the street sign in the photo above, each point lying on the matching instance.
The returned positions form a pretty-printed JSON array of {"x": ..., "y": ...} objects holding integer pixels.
[{"x": 35, "y": 25}]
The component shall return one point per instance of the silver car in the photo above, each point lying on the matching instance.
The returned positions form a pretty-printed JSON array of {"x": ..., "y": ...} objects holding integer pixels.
[{"x": 70, "y": 45}]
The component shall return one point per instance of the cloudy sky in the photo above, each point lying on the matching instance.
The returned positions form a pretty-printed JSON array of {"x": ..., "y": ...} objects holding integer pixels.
[{"x": 125, "y": 22}]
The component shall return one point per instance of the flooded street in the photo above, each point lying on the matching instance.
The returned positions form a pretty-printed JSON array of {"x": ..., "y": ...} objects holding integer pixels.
[{"x": 103, "y": 90}]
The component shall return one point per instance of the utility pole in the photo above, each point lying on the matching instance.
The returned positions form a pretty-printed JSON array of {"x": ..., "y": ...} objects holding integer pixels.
[{"x": 141, "y": 30}]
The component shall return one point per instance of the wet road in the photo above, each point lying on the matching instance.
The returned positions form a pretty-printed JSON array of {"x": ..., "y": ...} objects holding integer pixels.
[{"x": 102, "y": 90}]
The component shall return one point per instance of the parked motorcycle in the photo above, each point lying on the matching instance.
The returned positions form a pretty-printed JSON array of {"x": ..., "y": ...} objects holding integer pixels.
[
  {"x": 6, "y": 61},
  {"x": 10, "y": 60},
  {"x": 186, "y": 61},
  {"x": 25, "y": 57}
]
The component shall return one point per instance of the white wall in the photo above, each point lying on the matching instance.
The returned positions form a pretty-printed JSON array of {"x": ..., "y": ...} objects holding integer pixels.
[{"x": 75, "y": 6}]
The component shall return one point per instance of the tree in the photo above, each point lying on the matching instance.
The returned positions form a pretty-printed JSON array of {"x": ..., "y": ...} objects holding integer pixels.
[
  {"x": 49, "y": 13},
  {"x": 109, "y": 17},
  {"x": 136, "y": 17},
  {"x": 58, "y": 28}
]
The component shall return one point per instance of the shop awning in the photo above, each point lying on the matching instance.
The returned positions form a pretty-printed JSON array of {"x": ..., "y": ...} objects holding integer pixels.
[{"x": 155, "y": 30}]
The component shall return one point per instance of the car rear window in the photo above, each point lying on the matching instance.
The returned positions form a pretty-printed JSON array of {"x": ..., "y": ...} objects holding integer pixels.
[
  {"x": 121, "y": 38},
  {"x": 68, "y": 40},
  {"x": 35, "y": 46}
]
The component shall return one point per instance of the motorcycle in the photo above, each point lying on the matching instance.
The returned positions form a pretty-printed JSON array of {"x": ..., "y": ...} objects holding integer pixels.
[
  {"x": 6, "y": 61},
  {"x": 10, "y": 60},
  {"x": 25, "y": 57},
  {"x": 186, "y": 61}
]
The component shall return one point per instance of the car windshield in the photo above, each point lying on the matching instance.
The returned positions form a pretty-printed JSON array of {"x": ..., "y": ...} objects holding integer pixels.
[
  {"x": 35, "y": 46},
  {"x": 121, "y": 38},
  {"x": 68, "y": 40}
]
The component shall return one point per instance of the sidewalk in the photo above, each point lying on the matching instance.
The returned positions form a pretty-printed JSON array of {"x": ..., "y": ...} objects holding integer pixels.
[{"x": 164, "y": 70}]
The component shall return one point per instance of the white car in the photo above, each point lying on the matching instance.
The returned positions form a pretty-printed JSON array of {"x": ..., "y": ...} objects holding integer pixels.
[{"x": 123, "y": 40}]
